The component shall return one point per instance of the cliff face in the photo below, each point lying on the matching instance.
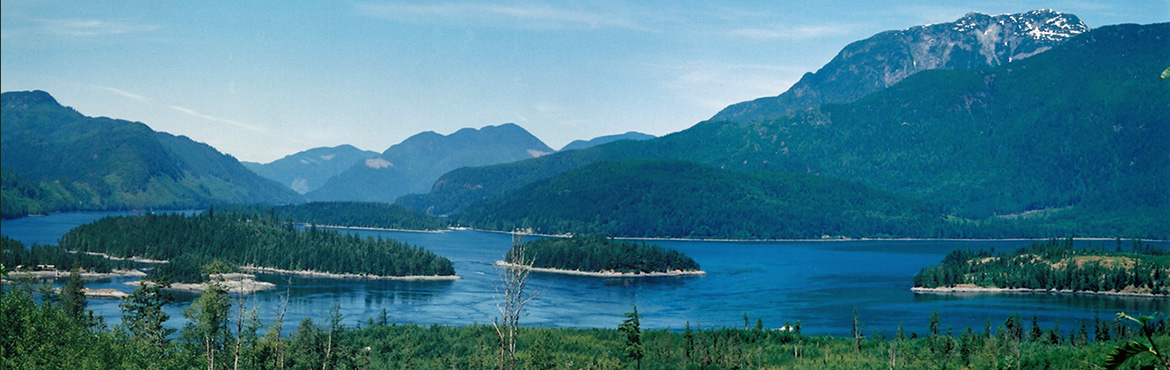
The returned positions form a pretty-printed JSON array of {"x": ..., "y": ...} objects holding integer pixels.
[{"x": 867, "y": 66}]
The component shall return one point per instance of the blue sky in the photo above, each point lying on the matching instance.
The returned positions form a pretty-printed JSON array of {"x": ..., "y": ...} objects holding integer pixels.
[{"x": 264, "y": 79}]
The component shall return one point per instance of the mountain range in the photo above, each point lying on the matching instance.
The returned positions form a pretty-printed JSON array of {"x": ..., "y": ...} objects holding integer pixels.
[
  {"x": 1021, "y": 125},
  {"x": 414, "y": 165},
  {"x": 583, "y": 144},
  {"x": 56, "y": 159},
  {"x": 309, "y": 170},
  {"x": 1075, "y": 136}
]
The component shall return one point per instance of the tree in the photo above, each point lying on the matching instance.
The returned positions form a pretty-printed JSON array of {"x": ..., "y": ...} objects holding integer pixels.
[
  {"x": 208, "y": 317},
  {"x": 1125, "y": 351},
  {"x": 510, "y": 299},
  {"x": 633, "y": 332},
  {"x": 143, "y": 315},
  {"x": 542, "y": 357},
  {"x": 73, "y": 298}
]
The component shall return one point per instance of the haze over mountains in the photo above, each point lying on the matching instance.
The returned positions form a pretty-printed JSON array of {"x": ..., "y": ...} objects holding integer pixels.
[
  {"x": 1030, "y": 123},
  {"x": 309, "y": 170},
  {"x": 415, "y": 164}
]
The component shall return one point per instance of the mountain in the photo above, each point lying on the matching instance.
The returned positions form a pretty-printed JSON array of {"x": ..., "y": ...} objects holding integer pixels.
[
  {"x": 677, "y": 199},
  {"x": 309, "y": 170},
  {"x": 56, "y": 159},
  {"x": 864, "y": 67},
  {"x": 414, "y": 165},
  {"x": 1071, "y": 140},
  {"x": 582, "y": 144}
]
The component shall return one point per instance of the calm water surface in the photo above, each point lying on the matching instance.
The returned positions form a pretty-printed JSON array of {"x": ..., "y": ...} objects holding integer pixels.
[{"x": 818, "y": 283}]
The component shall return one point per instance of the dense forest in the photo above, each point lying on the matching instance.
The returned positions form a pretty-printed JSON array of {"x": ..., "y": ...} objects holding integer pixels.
[
  {"x": 663, "y": 198},
  {"x": 60, "y": 333},
  {"x": 250, "y": 239},
  {"x": 1056, "y": 265},
  {"x": 15, "y": 256},
  {"x": 350, "y": 214},
  {"x": 596, "y": 253}
]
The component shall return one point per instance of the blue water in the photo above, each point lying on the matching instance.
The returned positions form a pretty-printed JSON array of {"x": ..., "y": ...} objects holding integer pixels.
[{"x": 818, "y": 283}]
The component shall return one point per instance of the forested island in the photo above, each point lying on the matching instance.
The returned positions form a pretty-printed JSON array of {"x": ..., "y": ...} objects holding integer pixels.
[
  {"x": 346, "y": 214},
  {"x": 249, "y": 240},
  {"x": 1055, "y": 266},
  {"x": 598, "y": 255}
]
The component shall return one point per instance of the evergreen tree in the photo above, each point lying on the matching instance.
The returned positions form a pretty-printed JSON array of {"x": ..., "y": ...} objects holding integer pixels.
[
  {"x": 143, "y": 314},
  {"x": 631, "y": 327},
  {"x": 73, "y": 298}
]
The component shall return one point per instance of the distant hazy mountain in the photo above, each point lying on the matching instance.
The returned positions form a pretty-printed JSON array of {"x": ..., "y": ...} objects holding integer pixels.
[
  {"x": 863, "y": 67},
  {"x": 56, "y": 159},
  {"x": 309, "y": 170},
  {"x": 414, "y": 165},
  {"x": 1071, "y": 141},
  {"x": 582, "y": 144}
]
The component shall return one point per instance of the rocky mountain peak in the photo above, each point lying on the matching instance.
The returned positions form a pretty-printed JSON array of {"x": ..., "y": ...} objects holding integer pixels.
[{"x": 976, "y": 40}]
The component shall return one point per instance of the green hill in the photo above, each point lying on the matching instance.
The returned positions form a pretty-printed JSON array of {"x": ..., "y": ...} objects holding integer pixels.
[
  {"x": 678, "y": 199},
  {"x": 56, "y": 159}
]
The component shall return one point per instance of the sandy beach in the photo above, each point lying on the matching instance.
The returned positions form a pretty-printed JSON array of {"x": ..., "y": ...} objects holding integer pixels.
[
  {"x": 606, "y": 274},
  {"x": 311, "y": 273}
]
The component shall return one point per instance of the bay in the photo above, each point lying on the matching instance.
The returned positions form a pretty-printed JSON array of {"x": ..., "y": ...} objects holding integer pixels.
[{"x": 818, "y": 283}]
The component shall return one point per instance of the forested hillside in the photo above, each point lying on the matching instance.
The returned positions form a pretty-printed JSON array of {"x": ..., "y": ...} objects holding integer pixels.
[
  {"x": 597, "y": 253},
  {"x": 56, "y": 159},
  {"x": 248, "y": 239},
  {"x": 350, "y": 214},
  {"x": 687, "y": 200},
  {"x": 1025, "y": 143}
]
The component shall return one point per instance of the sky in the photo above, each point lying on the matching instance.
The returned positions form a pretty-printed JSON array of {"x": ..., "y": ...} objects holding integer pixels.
[{"x": 263, "y": 79}]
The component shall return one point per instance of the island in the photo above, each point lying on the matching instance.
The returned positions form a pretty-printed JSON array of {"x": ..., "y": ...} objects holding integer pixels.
[
  {"x": 1053, "y": 266},
  {"x": 598, "y": 255},
  {"x": 197, "y": 248}
]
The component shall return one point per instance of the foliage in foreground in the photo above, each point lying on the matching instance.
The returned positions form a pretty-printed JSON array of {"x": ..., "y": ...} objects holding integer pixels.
[
  {"x": 247, "y": 239},
  {"x": 1055, "y": 265},
  {"x": 597, "y": 253},
  {"x": 36, "y": 336}
]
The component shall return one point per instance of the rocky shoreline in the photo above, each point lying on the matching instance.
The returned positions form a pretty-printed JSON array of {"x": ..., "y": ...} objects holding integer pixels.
[
  {"x": 606, "y": 274},
  {"x": 972, "y": 289}
]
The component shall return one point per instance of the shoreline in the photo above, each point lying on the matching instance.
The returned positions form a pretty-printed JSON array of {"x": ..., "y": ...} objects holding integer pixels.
[
  {"x": 64, "y": 274},
  {"x": 232, "y": 282},
  {"x": 376, "y": 228},
  {"x": 986, "y": 290},
  {"x": 605, "y": 274},
  {"x": 830, "y": 239},
  {"x": 131, "y": 258},
  {"x": 311, "y": 273}
]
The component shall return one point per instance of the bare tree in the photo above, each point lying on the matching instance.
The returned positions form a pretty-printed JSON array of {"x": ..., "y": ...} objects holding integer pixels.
[{"x": 510, "y": 298}]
